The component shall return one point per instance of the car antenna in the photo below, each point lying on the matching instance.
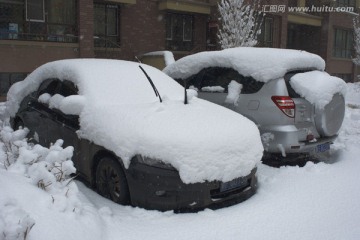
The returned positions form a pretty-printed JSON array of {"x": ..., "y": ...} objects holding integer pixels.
[
  {"x": 185, "y": 97},
  {"x": 138, "y": 59},
  {"x": 151, "y": 83}
]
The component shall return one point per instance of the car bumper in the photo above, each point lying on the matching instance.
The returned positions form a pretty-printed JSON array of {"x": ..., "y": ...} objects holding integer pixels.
[
  {"x": 287, "y": 142},
  {"x": 162, "y": 189}
]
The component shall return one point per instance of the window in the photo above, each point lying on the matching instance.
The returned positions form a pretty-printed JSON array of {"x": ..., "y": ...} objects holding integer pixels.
[
  {"x": 179, "y": 32},
  {"x": 35, "y": 10},
  {"x": 39, "y": 20},
  {"x": 343, "y": 43},
  {"x": 221, "y": 77},
  {"x": 106, "y": 25},
  {"x": 8, "y": 79},
  {"x": 267, "y": 32},
  {"x": 346, "y": 3}
]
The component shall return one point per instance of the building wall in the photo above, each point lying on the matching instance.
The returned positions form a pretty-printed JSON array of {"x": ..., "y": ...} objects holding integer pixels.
[
  {"x": 142, "y": 29},
  {"x": 86, "y": 28},
  {"x": 25, "y": 56},
  {"x": 337, "y": 65}
]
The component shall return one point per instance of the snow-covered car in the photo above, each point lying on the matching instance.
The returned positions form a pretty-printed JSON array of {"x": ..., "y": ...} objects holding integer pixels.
[
  {"x": 134, "y": 139},
  {"x": 297, "y": 106}
]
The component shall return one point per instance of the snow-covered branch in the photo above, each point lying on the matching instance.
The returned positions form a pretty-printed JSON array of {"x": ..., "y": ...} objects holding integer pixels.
[{"x": 240, "y": 23}]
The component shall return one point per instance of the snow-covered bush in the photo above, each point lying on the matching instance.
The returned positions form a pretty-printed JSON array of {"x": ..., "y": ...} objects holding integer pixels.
[
  {"x": 15, "y": 223},
  {"x": 47, "y": 168},
  {"x": 240, "y": 23}
]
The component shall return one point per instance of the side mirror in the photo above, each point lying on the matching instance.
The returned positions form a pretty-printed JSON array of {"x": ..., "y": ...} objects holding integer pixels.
[{"x": 72, "y": 105}]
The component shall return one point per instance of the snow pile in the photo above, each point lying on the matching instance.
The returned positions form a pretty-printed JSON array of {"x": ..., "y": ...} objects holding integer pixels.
[
  {"x": 263, "y": 64},
  {"x": 234, "y": 90},
  {"x": 350, "y": 131},
  {"x": 121, "y": 113},
  {"x": 353, "y": 94},
  {"x": 317, "y": 87},
  {"x": 72, "y": 105},
  {"x": 15, "y": 223},
  {"x": 213, "y": 89}
]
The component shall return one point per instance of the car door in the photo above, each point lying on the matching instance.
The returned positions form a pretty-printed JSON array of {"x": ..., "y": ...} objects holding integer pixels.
[
  {"x": 212, "y": 84},
  {"x": 37, "y": 115},
  {"x": 64, "y": 126}
]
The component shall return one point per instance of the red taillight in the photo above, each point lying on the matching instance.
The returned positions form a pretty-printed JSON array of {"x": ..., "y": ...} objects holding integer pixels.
[{"x": 285, "y": 104}]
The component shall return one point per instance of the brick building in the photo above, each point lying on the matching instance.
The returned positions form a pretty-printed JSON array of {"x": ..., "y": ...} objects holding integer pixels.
[{"x": 33, "y": 32}]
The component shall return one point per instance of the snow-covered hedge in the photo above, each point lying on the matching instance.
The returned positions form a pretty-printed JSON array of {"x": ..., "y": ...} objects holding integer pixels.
[{"x": 49, "y": 169}]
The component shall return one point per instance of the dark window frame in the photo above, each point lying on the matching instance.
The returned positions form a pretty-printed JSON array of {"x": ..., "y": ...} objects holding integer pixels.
[
  {"x": 17, "y": 24},
  {"x": 11, "y": 79},
  {"x": 178, "y": 37},
  {"x": 107, "y": 39},
  {"x": 343, "y": 43},
  {"x": 346, "y": 3},
  {"x": 28, "y": 10},
  {"x": 264, "y": 40}
]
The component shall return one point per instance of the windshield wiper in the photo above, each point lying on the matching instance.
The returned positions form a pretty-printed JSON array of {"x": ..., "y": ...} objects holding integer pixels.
[
  {"x": 185, "y": 97},
  {"x": 151, "y": 83}
]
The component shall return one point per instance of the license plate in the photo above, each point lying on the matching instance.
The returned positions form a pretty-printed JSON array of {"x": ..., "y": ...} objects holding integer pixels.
[
  {"x": 236, "y": 183},
  {"x": 323, "y": 147}
]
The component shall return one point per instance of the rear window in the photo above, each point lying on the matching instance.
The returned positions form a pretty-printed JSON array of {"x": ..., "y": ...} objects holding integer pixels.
[{"x": 291, "y": 91}]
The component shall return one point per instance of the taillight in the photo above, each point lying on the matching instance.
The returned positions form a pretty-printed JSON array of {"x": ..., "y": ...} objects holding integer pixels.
[{"x": 285, "y": 104}]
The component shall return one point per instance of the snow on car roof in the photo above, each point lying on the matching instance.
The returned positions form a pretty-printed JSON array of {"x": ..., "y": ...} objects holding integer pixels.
[
  {"x": 263, "y": 64},
  {"x": 203, "y": 141}
]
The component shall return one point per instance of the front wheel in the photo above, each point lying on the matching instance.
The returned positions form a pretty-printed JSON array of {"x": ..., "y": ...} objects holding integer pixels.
[{"x": 111, "y": 181}]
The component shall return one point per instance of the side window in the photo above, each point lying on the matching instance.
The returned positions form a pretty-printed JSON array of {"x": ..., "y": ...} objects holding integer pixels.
[
  {"x": 49, "y": 86},
  {"x": 250, "y": 85},
  {"x": 217, "y": 78},
  {"x": 221, "y": 77},
  {"x": 67, "y": 89}
]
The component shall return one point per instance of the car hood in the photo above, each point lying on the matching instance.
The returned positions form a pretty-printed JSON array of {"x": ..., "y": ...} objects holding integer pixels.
[{"x": 203, "y": 141}]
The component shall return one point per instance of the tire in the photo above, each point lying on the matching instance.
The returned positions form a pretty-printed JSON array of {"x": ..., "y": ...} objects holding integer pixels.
[
  {"x": 111, "y": 181},
  {"x": 328, "y": 121}
]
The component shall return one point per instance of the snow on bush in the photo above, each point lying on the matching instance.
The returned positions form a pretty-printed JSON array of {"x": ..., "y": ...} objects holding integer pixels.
[
  {"x": 240, "y": 23},
  {"x": 47, "y": 168},
  {"x": 15, "y": 223}
]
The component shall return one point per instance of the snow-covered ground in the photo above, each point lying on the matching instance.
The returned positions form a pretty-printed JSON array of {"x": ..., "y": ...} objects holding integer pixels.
[{"x": 318, "y": 201}]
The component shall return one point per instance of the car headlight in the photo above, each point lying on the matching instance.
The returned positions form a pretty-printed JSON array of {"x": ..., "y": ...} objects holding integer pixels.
[{"x": 154, "y": 162}]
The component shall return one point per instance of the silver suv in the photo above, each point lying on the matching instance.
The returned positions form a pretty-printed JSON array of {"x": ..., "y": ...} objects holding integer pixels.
[{"x": 288, "y": 122}]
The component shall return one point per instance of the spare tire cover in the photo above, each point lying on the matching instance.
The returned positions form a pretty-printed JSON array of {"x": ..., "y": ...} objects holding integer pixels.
[{"x": 329, "y": 119}]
